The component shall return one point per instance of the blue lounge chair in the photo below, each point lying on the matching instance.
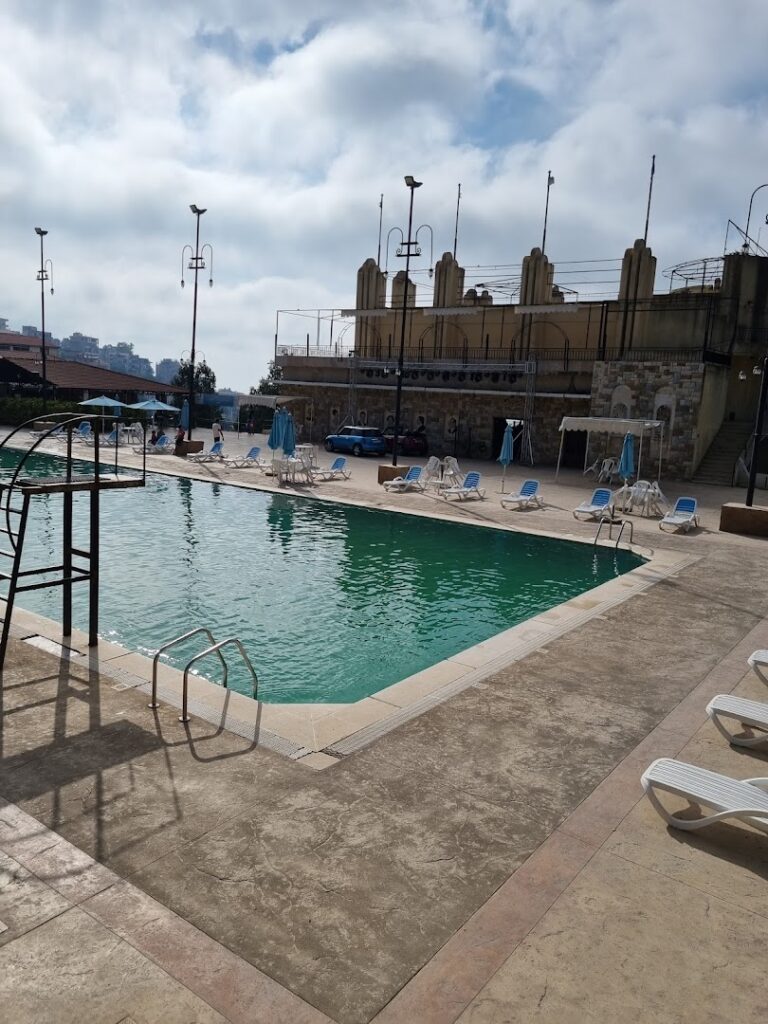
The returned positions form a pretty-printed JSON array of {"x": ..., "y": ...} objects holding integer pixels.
[
  {"x": 410, "y": 482},
  {"x": 251, "y": 459},
  {"x": 469, "y": 489},
  {"x": 82, "y": 433},
  {"x": 163, "y": 446},
  {"x": 214, "y": 454},
  {"x": 528, "y": 494},
  {"x": 683, "y": 516},
  {"x": 599, "y": 505},
  {"x": 112, "y": 439},
  {"x": 336, "y": 469}
]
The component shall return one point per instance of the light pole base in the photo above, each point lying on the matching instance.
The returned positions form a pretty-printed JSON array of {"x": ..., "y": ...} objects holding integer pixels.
[{"x": 748, "y": 520}]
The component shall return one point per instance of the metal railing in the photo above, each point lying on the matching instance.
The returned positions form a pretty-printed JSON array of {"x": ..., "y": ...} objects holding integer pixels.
[
  {"x": 216, "y": 649},
  {"x": 172, "y": 643},
  {"x": 622, "y": 523}
]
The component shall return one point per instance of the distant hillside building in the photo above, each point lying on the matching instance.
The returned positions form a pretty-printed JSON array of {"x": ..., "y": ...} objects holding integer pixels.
[{"x": 166, "y": 370}]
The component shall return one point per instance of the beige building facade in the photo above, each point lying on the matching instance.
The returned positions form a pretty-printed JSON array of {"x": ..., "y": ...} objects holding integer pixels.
[{"x": 469, "y": 362}]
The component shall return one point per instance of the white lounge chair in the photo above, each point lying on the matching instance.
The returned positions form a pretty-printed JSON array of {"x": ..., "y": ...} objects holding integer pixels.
[
  {"x": 452, "y": 475},
  {"x": 338, "y": 468},
  {"x": 749, "y": 713},
  {"x": 162, "y": 446},
  {"x": 599, "y": 505},
  {"x": 682, "y": 517},
  {"x": 214, "y": 454},
  {"x": 527, "y": 495},
  {"x": 410, "y": 482},
  {"x": 469, "y": 489},
  {"x": 743, "y": 799},
  {"x": 756, "y": 660},
  {"x": 252, "y": 459}
]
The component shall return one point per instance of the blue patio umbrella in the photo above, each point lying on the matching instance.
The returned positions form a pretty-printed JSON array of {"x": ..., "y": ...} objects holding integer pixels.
[
  {"x": 275, "y": 438},
  {"x": 289, "y": 435},
  {"x": 103, "y": 402},
  {"x": 627, "y": 460},
  {"x": 184, "y": 417},
  {"x": 155, "y": 405},
  {"x": 507, "y": 453}
]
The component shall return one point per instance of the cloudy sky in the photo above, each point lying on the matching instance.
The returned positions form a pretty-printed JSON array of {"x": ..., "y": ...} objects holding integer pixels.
[{"x": 288, "y": 120}]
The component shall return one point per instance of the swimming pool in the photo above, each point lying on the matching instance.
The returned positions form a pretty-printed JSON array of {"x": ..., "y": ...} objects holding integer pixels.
[{"x": 333, "y": 602}]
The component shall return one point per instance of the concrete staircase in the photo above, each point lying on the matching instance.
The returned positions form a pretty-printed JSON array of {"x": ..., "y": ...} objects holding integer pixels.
[{"x": 717, "y": 465}]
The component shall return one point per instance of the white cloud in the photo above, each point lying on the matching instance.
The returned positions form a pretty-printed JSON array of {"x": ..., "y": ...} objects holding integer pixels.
[{"x": 288, "y": 121}]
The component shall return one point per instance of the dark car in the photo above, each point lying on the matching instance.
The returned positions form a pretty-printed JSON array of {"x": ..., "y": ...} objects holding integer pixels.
[
  {"x": 357, "y": 440},
  {"x": 411, "y": 443}
]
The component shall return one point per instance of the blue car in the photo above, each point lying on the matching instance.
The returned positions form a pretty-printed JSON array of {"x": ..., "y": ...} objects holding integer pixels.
[{"x": 357, "y": 440}]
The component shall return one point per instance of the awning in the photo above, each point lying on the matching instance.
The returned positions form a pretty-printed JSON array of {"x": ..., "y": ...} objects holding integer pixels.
[{"x": 609, "y": 425}]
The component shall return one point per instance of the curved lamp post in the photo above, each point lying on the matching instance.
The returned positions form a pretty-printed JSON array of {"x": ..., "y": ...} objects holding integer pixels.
[
  {"x": 45, "y": 273},
  {"x": 745, "y": 247},
  {"x": 761, "y": 368},
  {"x": 196, "y": 262}
]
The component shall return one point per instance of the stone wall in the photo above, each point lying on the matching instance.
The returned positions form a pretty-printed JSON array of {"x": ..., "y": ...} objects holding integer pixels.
[
  {"x": 454, "y": 421},
  {"x": 667, "y": 391}
]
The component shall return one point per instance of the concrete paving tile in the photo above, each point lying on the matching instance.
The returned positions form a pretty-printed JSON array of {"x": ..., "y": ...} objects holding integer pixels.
[
  {"x": 340, "y": 896},
  {"x": 71, "y": 969},
  {"x": 230, "y": 985},
  {"x": 404, "y": 693},
  {"x": 624, "y": 943},
  {"x": 446, "y": 985},
  {"x": 25, "y": 901}
]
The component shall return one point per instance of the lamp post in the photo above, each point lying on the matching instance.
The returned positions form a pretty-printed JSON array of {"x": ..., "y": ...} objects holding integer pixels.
[
  {"x": 550, "y": 183},
  {"x": 761, "y": 369},
  {"x": 412, "y": 184},
  {"x": 43, "y": 275},
  {"x": 745, "y": 247},
  {"x": 196, "y": 263}
]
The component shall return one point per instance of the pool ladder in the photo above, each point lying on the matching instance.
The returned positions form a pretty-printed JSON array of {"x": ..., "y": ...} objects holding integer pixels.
[
  {"x": 214, "y": 648},
  {"x": 621, "y": 525}
]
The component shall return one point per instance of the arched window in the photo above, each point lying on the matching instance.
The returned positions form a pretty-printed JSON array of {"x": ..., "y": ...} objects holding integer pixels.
[{"x": 621, "y": 402}]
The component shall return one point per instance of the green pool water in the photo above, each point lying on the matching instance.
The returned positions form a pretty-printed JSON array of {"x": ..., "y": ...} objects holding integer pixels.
[{"x": 332, "y": 602}]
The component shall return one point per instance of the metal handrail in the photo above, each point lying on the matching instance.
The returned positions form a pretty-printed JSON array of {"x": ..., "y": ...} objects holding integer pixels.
[
  {"x": 631, "y": 525},
  {"x": 184, "y": 717},
  {"x": 172, "y": 643}
]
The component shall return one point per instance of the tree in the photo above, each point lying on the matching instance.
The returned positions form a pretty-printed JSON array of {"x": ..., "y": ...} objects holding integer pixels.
[
  {"x": 205, "y": 378},
  {"x": 270, "y": 385}
]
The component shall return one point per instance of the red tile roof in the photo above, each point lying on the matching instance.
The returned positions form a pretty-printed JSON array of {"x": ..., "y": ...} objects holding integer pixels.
[{"x": 71, "y": 376}]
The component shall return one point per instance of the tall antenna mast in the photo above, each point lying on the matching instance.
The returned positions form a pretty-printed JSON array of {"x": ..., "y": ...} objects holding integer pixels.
[{"x": 456, "y": 232}]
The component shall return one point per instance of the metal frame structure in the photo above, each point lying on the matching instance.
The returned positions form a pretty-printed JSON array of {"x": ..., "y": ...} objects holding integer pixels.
[{"x": 68, "y": 572}]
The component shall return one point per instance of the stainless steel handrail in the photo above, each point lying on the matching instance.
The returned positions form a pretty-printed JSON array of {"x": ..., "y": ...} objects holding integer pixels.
[
  {"x": 631, "y": 525},
  {"x": 216, "y": 648},
  {"x": 172, "y": 643}
]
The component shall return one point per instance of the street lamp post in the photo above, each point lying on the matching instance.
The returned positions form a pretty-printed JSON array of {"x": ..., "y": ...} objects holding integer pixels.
[
  {"x": 761, "y": 369},
  {"x": 45, "y": 273},
  {"x": 412, "y": 184},
  {"x": 196, "y": 263}
]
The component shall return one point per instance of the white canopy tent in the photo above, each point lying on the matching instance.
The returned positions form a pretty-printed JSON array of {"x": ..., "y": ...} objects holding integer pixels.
[{"x": 612, "y": 425}]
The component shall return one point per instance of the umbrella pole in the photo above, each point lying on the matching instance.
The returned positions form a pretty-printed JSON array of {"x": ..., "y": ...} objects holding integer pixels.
[
  {"x": 640, "y": 453},
  {"x": 661, "y": 449},
  {"x": 560, "y": 453},
  {"x": 503, "y": 476}
]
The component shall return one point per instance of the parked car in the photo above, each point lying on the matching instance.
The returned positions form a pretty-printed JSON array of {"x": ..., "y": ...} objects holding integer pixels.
[
  {"x": 358, "y": 440},
  {"x": 411, "y": 443}
]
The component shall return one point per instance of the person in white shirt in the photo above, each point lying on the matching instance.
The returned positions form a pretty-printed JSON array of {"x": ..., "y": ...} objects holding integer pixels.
[{"x": 218, "y": 434}]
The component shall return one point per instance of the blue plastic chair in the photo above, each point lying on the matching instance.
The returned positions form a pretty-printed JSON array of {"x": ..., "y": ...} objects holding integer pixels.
[
  {"x": 529, "y": 492},
  {"x": 469, "y": 489},
  {"x": 683, "y": 516},
  {"x": 410, "y": 482},
  {"x": 214, "y": 454}
]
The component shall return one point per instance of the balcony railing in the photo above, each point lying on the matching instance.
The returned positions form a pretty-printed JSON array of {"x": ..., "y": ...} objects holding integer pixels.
[{"x": 563, "y": 358}]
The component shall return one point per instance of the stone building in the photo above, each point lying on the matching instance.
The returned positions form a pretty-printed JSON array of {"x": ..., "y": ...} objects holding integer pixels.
[{"x": 684, "y": 356}]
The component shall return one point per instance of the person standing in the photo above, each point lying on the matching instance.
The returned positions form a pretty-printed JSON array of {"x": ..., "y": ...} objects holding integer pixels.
[{"x": 218, "y": 434}]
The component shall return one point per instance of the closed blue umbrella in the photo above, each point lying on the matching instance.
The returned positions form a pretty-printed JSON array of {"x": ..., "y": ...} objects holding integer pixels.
[
  {"x": 507, "y": 453},
  {"x": 627, "y": 460},
  {"x": 184, "y": 417},
  {"x": 275, "y": 438},
  {"x": 289, "y": 435}
]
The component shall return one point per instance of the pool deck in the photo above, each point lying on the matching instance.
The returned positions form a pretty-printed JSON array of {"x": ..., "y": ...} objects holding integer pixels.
[{"x": 488, "y": 860}]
